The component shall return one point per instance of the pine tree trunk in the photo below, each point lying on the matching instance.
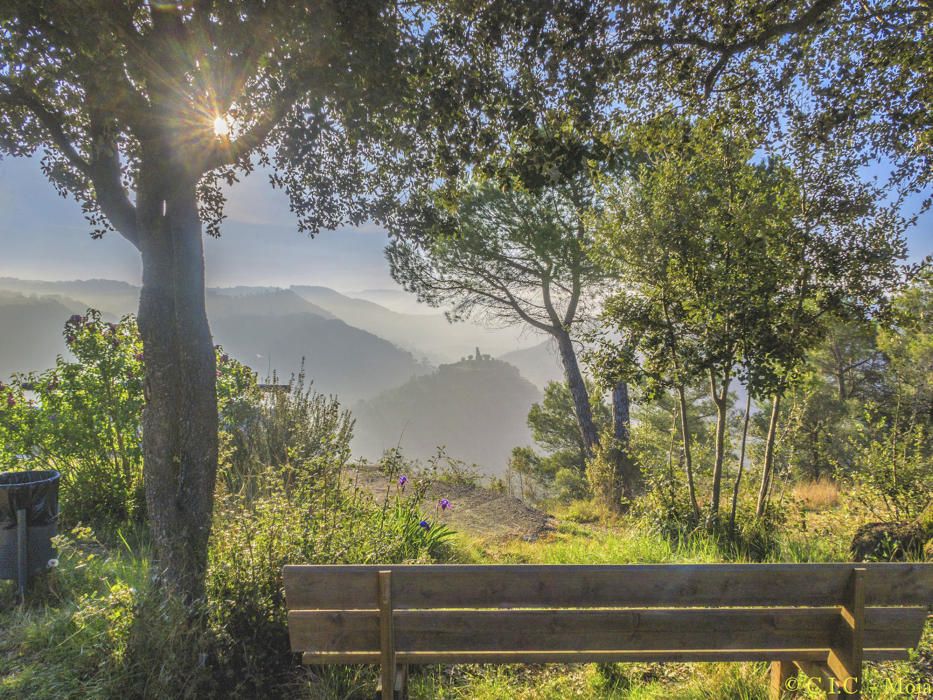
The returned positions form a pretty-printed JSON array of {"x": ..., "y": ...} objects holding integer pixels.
[
  {"x": 621, "y": 431},
  {"x": 766, "y": 473},
  {"x": 180, "y": 417},
  {"x": 577, "y": 386}
]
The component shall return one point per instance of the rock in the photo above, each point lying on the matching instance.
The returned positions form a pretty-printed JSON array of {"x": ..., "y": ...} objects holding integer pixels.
[{"x": 889, "y": 541}]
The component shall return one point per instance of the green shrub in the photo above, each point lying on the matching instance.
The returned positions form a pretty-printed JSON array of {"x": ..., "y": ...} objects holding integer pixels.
[
  {"x": 891, "y": 474},
  {"x": 298, "y": 510},
  {"x": 83, "y": 417}
]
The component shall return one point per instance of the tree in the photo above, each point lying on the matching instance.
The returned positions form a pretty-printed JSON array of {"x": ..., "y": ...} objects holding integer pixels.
[
  {"x": 729, "y": 267},
  {"x": 511, "y": 257},
  {"x": 689, "y": 239},
  {"x": 144, "y": 109}
]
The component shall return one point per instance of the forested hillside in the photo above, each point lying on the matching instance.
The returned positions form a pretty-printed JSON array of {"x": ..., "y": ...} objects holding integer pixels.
[{"x": 475, "y": 408}]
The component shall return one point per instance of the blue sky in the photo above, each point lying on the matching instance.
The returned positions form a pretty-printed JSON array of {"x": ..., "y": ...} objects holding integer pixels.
[{"x": 43, "y": 236}]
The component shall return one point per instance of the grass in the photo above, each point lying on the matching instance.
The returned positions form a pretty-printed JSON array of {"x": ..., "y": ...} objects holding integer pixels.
[
  {"x": 71, "y": 639},
  {"x": 617, "y": 541},
  {"x": 820, "y": 494}
]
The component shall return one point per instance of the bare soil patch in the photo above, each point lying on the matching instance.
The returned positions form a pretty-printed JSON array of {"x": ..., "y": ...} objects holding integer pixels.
[{"x": 474, "y": 510}]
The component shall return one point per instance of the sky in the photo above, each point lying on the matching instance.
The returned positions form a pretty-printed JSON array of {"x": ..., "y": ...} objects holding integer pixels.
[{"x": 43, "y": 236}]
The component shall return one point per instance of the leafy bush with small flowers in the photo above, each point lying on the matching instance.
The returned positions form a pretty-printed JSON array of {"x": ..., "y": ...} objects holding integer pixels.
[
  {"x": 313, "y": 516},
  {"x": 83, "y": 418}
]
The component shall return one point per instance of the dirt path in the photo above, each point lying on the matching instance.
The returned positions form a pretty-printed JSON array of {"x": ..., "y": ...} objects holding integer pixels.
[{"x": 474, "y": 510}]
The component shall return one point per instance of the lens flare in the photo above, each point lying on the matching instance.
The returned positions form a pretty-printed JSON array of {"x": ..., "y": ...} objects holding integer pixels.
[{"x": 221, "y": 127}]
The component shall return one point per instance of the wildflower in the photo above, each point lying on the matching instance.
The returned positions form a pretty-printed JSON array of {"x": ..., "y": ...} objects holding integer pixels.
[
  {"x": 139, "y": 357},
  {"x": 402, "y": 480},
  {"x": 10, "y": 401},
  {"x": 53, "y": 563},
  {"x": 75, "y": 320},
  {"x": 444, "y": 504},
  {"x": 425, "y": 525}
]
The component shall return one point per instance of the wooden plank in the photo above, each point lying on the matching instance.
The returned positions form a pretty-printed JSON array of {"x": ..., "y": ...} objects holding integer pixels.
[
  {"x": 845, "y": 658},
  {"x": 781, "y": 671},
  {"x": 582, "y": 657},
  {"x": 598, "y": 630},
  {"x": 339, "y": 587},
  {"x": 386, "y": 635}
]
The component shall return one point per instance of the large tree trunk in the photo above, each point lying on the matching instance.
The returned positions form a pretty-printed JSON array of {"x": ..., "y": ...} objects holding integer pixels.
[
  {"x": 577, "y": 386},
  {"x": 721, "y": 399},
  {"x": 768, "y": 468},
  {"x": 621, "y": 431},
  {"x": 688, "y": 450},
  {"x": 180, "y": 418}
]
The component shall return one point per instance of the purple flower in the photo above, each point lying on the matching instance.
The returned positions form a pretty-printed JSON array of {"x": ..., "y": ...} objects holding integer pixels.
[
  {"x": 225, "y": 358},
  {"x": 10, "y": 401},
  {"x": 75, "y": 320},
  {"x": 402, "y": 480},
  {"x": 444, "y": 504},
  {"x": 424, "y": 524},
  {"x": 140, "y": 357}
]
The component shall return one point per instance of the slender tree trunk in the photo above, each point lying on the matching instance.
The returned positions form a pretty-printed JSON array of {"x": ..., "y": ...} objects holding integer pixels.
[
  {"x": 621, "y": 431},
  {"x": 738, "y": 476},
  {"x": 766, "y": 473},
  {"x": 721, "y": 399},
  {"x": 688, "y": 452},
  {"x": 577, "y": 386},
  {"x": 180, "y": 417}
]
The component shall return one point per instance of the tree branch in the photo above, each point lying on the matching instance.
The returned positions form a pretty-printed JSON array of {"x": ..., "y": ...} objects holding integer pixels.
[{"x": 52, "y": 121}]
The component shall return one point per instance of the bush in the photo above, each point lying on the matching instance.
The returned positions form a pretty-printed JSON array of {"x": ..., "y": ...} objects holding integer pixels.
[
  {"x": 891, "y": 474},
  {"x": 83, "y": 420},
  {"x": 83, "y": 417},
  {"x": 299, "y": 510}
]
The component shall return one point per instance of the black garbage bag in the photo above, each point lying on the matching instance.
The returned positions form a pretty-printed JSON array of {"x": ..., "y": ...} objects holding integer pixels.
[{"x": 34, "y": 491}]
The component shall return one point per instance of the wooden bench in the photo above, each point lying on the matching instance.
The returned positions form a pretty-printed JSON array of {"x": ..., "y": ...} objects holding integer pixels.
[{"x": 824, "y": 619}]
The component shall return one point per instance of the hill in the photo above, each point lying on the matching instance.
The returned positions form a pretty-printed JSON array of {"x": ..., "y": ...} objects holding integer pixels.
[
  {"x": 339, "y": 358},
  {"x": 108, "y": 296},
  {"x": 539, "y": 364},
  {"x": 259, "y": 301},
  {"x": 431, "y": 334},
  {"x": 394, "y": 299},
  {"x": 31, "y": 336},
  {"x": 266, "y": 328},
  {"x": 477, "y": 408}
]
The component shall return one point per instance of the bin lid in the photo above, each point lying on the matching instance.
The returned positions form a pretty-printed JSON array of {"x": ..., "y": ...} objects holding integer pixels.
[
  {"x": 27, "y": 479},
  {"x": 35, "y": 491}
]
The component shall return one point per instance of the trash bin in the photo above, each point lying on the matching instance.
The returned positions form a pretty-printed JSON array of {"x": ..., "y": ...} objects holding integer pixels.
[{"x": 28, "y": 520}]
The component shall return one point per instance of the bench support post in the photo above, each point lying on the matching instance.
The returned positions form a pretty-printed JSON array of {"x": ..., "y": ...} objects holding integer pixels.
[
  {"x": 845, "y": 659},
  {"x": 781, "y": 671},
  {"x": 393, "y": 679}
]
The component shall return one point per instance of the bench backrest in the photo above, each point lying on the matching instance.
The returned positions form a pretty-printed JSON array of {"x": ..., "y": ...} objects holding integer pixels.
[{"x": 643, "y": 612}]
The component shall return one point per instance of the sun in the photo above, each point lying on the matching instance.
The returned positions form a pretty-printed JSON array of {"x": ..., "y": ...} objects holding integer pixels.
[{"x": 221, "y": 127}]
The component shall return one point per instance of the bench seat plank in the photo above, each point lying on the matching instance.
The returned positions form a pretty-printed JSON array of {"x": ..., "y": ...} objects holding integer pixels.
[
  {"x": 347, "y": 587},
  {"x": 599, "y": 630},
  {"x": 581, "y": 657}
]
